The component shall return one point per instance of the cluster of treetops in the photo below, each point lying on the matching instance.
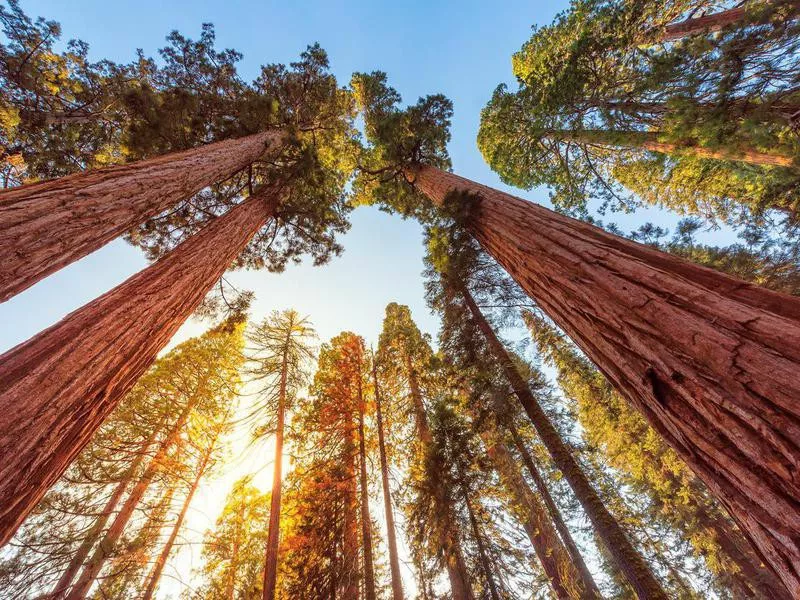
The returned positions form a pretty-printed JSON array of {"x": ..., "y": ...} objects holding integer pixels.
[
  {"x": 403, "y": 441},
  {"x": 506, "y": 487}
]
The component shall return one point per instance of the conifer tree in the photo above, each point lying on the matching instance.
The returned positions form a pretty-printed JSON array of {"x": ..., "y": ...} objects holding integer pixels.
[
  {"x": 671, "y": 336},
  {"x": 280, "y": 347}
]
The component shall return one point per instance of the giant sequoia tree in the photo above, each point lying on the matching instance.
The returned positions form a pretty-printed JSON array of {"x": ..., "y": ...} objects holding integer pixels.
[{"x": 709, "y": 360}]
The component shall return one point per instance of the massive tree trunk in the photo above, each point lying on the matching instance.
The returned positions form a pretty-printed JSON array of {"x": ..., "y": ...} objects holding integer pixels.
[
  {"x": 155, "y": 573},
  {"x": 274, "y": 532},
  {"x": 93, "y": 535},
  {"x": 555, "y": 515},
  {"x": 108, "y": 544},
  {"x": 709, "y": 360},
  {"x": 649, "y": 140},
  {"x": 391, "y": 534},
  {"x": 552, "y": 554},
  {"x": 57, "y": 388},
  {"x": 720, "y": 20},
  {"x": 46, "y": 226},
  {"x": 630, "y": 562},
  {"x": 366, "y": 520}
]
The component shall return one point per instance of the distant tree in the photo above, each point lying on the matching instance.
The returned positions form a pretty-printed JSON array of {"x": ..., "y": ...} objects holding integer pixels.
[{"x": 233, "y": 551}]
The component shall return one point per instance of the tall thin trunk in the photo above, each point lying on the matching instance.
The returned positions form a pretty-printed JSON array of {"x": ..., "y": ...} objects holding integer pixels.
[
  {"x": 555, "y": 514},
  {"x": 627, "y": 557},
  {"x": 451, "y": 546},
  {"x": 46, "y": 226},
  {"x": 273, "y": 535},
  {"x": 230, "y": 583},
  {"x": 709, "y": 360},
  {"x": 109, "y": 542},
  {"x": 719, "y": 20},
  {"x": 366, "y": 521},
  {"x": 552, "y": 554},
  {"x": 483, "y": 555},
  {"x": 93, "y": 535},
  {"x": 47, "y": 412},
  {"x": 155, "y": 574},
  {"x": 649, "y": 140},
  {"x": 350, "y": 535},
  {"x": 391, "y": 534}
]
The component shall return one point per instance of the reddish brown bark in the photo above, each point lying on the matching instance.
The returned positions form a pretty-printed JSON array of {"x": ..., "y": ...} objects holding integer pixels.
[
  {"x": 46, "y": 226},
  {"x": 155, "y": 574},
  {"x": 107, "y": 545},
  {"x": 366, "y": 520},
  {"x": 77, "y": 560},
  {"x": 709, "y": 360},
  {"x": 718, "y": 21},
  {"x": 273, "y": 533},
  {"x": 391, "y": 535},
  {"x": 57, "y": 388},
  {"x": 552, "y": 554},
  {"x": 555, "y": 515}
]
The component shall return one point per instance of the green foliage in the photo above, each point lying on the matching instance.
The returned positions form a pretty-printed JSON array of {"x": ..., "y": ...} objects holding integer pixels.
[
  {"x": 398, "y": 140},
  {"x": 602, "y": 67},
  {"x": 233, "y": 552}
]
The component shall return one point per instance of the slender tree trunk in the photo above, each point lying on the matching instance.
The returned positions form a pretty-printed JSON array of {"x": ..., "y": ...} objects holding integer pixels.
[
  {"x": 230, "y": 584},
  {"x": 273, "y": 535},
  {"x": 47, "y": 413},
  {"x": 709, "y": 360},
  {"x": 350, "y": 537},
  {"x": 366, "y": 522},
  {"x": 155, "y": 574},
  {"x": 483, "y": 556},
  {"x": 46, "y": 226},
  {"x": 627, "y": 557},
  {"x": 718, "y": 21},
  {"x": 451, "y": 546},
  {"x": 552, "y": 554},
  {"x": 649, "y": 140},
  {"x": 109, "y": 542},
  {"x": 391, "y": 534},
  {"x": 77, "y": 560},
  {"x": 555, "y": 515}
]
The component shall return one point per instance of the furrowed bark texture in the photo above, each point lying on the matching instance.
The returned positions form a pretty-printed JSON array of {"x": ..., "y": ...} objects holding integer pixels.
[
  {"x": 57, "y": 388},
  {"x": 391, "y": 535},
  {"x": 46, "y": 226},
  {"x": 716, "y": 21},
  {"x": 711, "y": 362},
  {"x": 552, "y": 554},
  {"x": 273, "y": 533},
  {"x": 627, "y": 558},
  {"x": 592, "y": 591}
]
